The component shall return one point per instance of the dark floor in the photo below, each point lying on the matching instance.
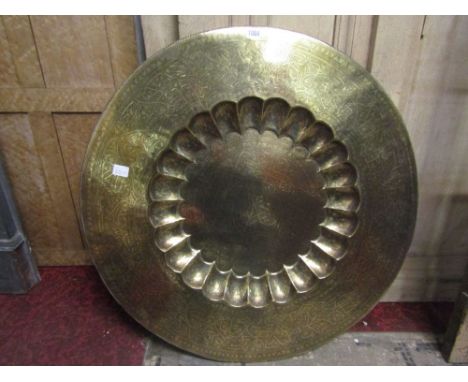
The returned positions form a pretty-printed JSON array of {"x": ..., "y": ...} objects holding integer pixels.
[{"x": 71, "y": 319}]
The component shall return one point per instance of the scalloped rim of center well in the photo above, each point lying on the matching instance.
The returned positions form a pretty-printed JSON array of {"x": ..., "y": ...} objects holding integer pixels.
[{"x": 206, "y": 138}]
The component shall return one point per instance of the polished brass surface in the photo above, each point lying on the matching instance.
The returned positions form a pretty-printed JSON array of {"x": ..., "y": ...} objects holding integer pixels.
[{"x": 270, "y": 196}]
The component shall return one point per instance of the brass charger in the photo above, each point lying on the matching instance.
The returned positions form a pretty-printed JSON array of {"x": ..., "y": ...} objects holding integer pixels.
[{"x": 249, "y": 194}]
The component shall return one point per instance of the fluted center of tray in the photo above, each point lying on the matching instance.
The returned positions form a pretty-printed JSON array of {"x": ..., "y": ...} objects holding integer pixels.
[{"x": 253, "y": 202}]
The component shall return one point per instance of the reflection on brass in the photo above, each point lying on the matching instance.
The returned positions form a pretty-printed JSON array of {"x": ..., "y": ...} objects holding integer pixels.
[{"x": 249, "y": 194}]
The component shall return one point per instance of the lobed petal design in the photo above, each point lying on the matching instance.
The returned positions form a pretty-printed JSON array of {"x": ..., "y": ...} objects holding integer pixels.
[
  {"x": 237, "y": 290},
  {"x": 180, "y": 256},
  {"x": 308, "y": 139},
  {"x": 216, "y": 284},
  {"x": 250, "y": 113},
  {"x": 196, "y": 272},
  {"x": 259, "y": 292},
  {"x": 280, "y": 287},
  {"x": 301, "y": 277},
  {"x": 275, "y": 112}
]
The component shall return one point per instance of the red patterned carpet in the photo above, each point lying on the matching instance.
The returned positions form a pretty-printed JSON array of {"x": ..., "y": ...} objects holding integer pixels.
[{"x": 71, "y": 319}]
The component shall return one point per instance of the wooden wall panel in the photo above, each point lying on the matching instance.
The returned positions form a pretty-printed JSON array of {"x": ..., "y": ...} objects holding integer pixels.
[
  {"x": 60, "y": 100},
  {"x": 189, "y": 25},
  {"x": 31, "y": 191},
  {"x": 434, "y": 102},
  {"x": 23, "y": 51},
  {"x": 7, "y": 67},
  {"x": 395, "y": 55},
  {"x": 49, "y": 151},
  {"x": 159, "y": 32},
  {"x": 122, "y": 48},
  {"x": 320, "y": 27},
  {"x": 74, "y": 51},
  {"x": 241, "y": 20},
  {"x": 425, "y": 278},
  {"x": 354, "y": 36},
  {"x": 50, "y": 65},
  {"x": 34, "y": 165},
  {"x": 74, "y": 132}
]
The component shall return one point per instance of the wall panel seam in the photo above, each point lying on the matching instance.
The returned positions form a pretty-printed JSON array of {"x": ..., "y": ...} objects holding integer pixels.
[
  {"x": 37, "y": 51},
  {"x": 109, "y": 51}
]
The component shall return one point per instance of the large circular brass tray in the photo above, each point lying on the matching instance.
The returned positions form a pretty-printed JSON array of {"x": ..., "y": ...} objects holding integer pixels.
[{"x": 248, "y": 194}]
